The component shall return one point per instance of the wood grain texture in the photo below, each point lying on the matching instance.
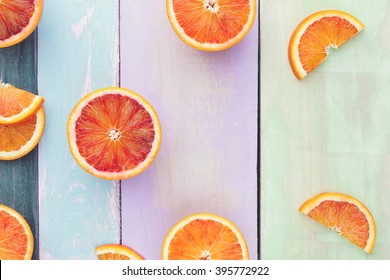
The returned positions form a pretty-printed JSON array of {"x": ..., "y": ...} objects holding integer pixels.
[
  {"x": 78, "y": 53},
  {"x": 328, "y": 132},
  {"x": 207, "y": 104},
  {"x": 18, "y": 178}
]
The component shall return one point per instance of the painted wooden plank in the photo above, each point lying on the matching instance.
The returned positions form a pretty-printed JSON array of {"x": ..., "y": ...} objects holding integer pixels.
[
  {"x": 207, "y": 103},
  {"x": 78, "y": 53},
  {"x": 18, "y": 178},
  {"x": 328, "y": 132}
]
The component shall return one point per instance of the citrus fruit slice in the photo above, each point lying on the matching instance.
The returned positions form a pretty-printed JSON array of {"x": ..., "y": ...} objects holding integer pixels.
[
  {"x": 312, "y": 39},
  {"x": 116, "y": 252},
  {"x": 114, "y": 133},
  {"x": 16, "y": 238},
  {"x": 18, "y": 19},
  {"x": 19, "y": 139},
  {"x": 346, "y": 215},
  {"x": 204, "y": 236},
  {"x": 16, "y": 105},
  {"x": 211, "y": 25}
]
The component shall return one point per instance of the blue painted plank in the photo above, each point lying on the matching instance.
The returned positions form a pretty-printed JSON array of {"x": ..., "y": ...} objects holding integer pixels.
[
  {"x": 18, "y": 178},
  {"x": 78, "y": 53}
]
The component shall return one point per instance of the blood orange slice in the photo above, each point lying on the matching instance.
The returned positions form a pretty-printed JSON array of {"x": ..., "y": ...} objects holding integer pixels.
[
  {"x": 211, "y": 25},
  {"x": 16, "y": 105},
  {"x": 312, "y": 39},
  {"x": 114, "y": 133},
  {"x": 16, "y": 239},
  {"x": 19, "y": 139},
  {"x": 18, "y": 19},
  {"x": 116, "y": 252},
  {"x": 204, "y": 236},
  {"x": 346, "y": 215}
]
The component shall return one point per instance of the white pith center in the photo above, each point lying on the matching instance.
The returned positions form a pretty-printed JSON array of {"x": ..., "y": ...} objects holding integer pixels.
[
  {"x": 211, "y": 5},
  {"x": 114, "y": 134},
  {"x": 205, "y": 255}
]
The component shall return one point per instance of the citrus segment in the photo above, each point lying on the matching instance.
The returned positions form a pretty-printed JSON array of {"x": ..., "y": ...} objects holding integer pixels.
[
  {"x": 20, "y": 139},
  {"x": 16, "y": 239},
  {"x": 346, "y": 215},
  {"x": 18, "y": 19},
  {"x": 16, "y": 105},
  {"x": 114, "y": 133},
  {"x": 312, "y": 39},
  {"x": 211, "y": 25},
  {"x": 116, "y": 252},
  {"x": 204, "y": 236}
]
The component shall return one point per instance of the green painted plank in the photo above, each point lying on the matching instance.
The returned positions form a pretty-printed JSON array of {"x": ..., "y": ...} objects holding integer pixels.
[
  {"x": 78, "y": 53},
  {"x": 18, "y": 178},
  {"x": 328, "y": 132}
]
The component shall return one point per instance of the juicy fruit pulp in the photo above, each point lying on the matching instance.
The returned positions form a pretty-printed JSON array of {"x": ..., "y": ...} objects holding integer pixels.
[
  {"x": 344, "y": 214},
  {"x": 345, "y": 218},
  {"x": 15, "y": 15},
  {"x": 312, "y": 39},
  {"x": 18, "y": 19},
  {"x": 114, "y": 133},
  {"x": 211, "y": 24},
  {"x": 19, "y": 139},
  {"x": 204, "y": 237},
  {"x": 16, "y": 105},
  {"x": 16, "y": 241},
  {"x": 117, "y": 252}
]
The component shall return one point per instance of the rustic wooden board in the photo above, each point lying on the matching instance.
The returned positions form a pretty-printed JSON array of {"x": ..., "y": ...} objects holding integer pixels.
[
  {"x": 328, "y": 132},
  {"x": 208, "y": 107},
  {"x": 78, "y": 53},
  {"x": 18, "y": 178}
]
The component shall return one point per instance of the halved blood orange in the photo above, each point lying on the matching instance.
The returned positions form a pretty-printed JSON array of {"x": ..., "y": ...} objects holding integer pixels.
[
  {"x": 114, "y": 133},
  {"x": 312, "y": 39},
  {"x": 211, "y": 25},
  {"x": 19, "y": 139},
  {"x": 18, "y": 19},
  {"x": 204, "y": 236},
  {"x": 116, "y": 252},
  {"x": 346, "y": 215},
  {"x": 16, "y": 105},
  {"x": 16, "y": 238}
]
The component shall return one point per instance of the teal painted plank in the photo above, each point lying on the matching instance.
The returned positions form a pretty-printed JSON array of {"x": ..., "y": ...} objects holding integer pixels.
[
  {"x": 328, "y": 132},
  {"x": 18, "y": 178},
  {"x": 78, "y": 53}
]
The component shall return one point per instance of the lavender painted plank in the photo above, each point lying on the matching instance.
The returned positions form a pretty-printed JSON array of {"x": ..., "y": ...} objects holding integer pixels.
[
  {"x": 78, "y": 53},
  {"x": 208, "y": 107}
]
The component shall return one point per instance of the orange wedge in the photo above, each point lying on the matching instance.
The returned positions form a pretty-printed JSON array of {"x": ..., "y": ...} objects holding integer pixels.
[
  {"x": 16, "y": 238},
  {"x": 18, "y": 19},
  {"x": 312, "y": 39},
  {"x": 16, "y": 105},
  {"x": 344, "y": 214},
  {"x": 204, "y": 236},
  {"x": 114, "y": 133},
  {"x": 211, "y": 25},
  {"x": 116, "y": 252},
  {"x": 20, "y": 139}
]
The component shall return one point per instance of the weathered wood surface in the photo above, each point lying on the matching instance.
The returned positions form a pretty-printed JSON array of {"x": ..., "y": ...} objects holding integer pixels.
[
  {"x": 208, "y": 107},
  {"x": 207, "y": 104},
  {"x": 78, "y": 53},
  {"x": 328, "y": 132},
  {"x": 18, "y": 178}
]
